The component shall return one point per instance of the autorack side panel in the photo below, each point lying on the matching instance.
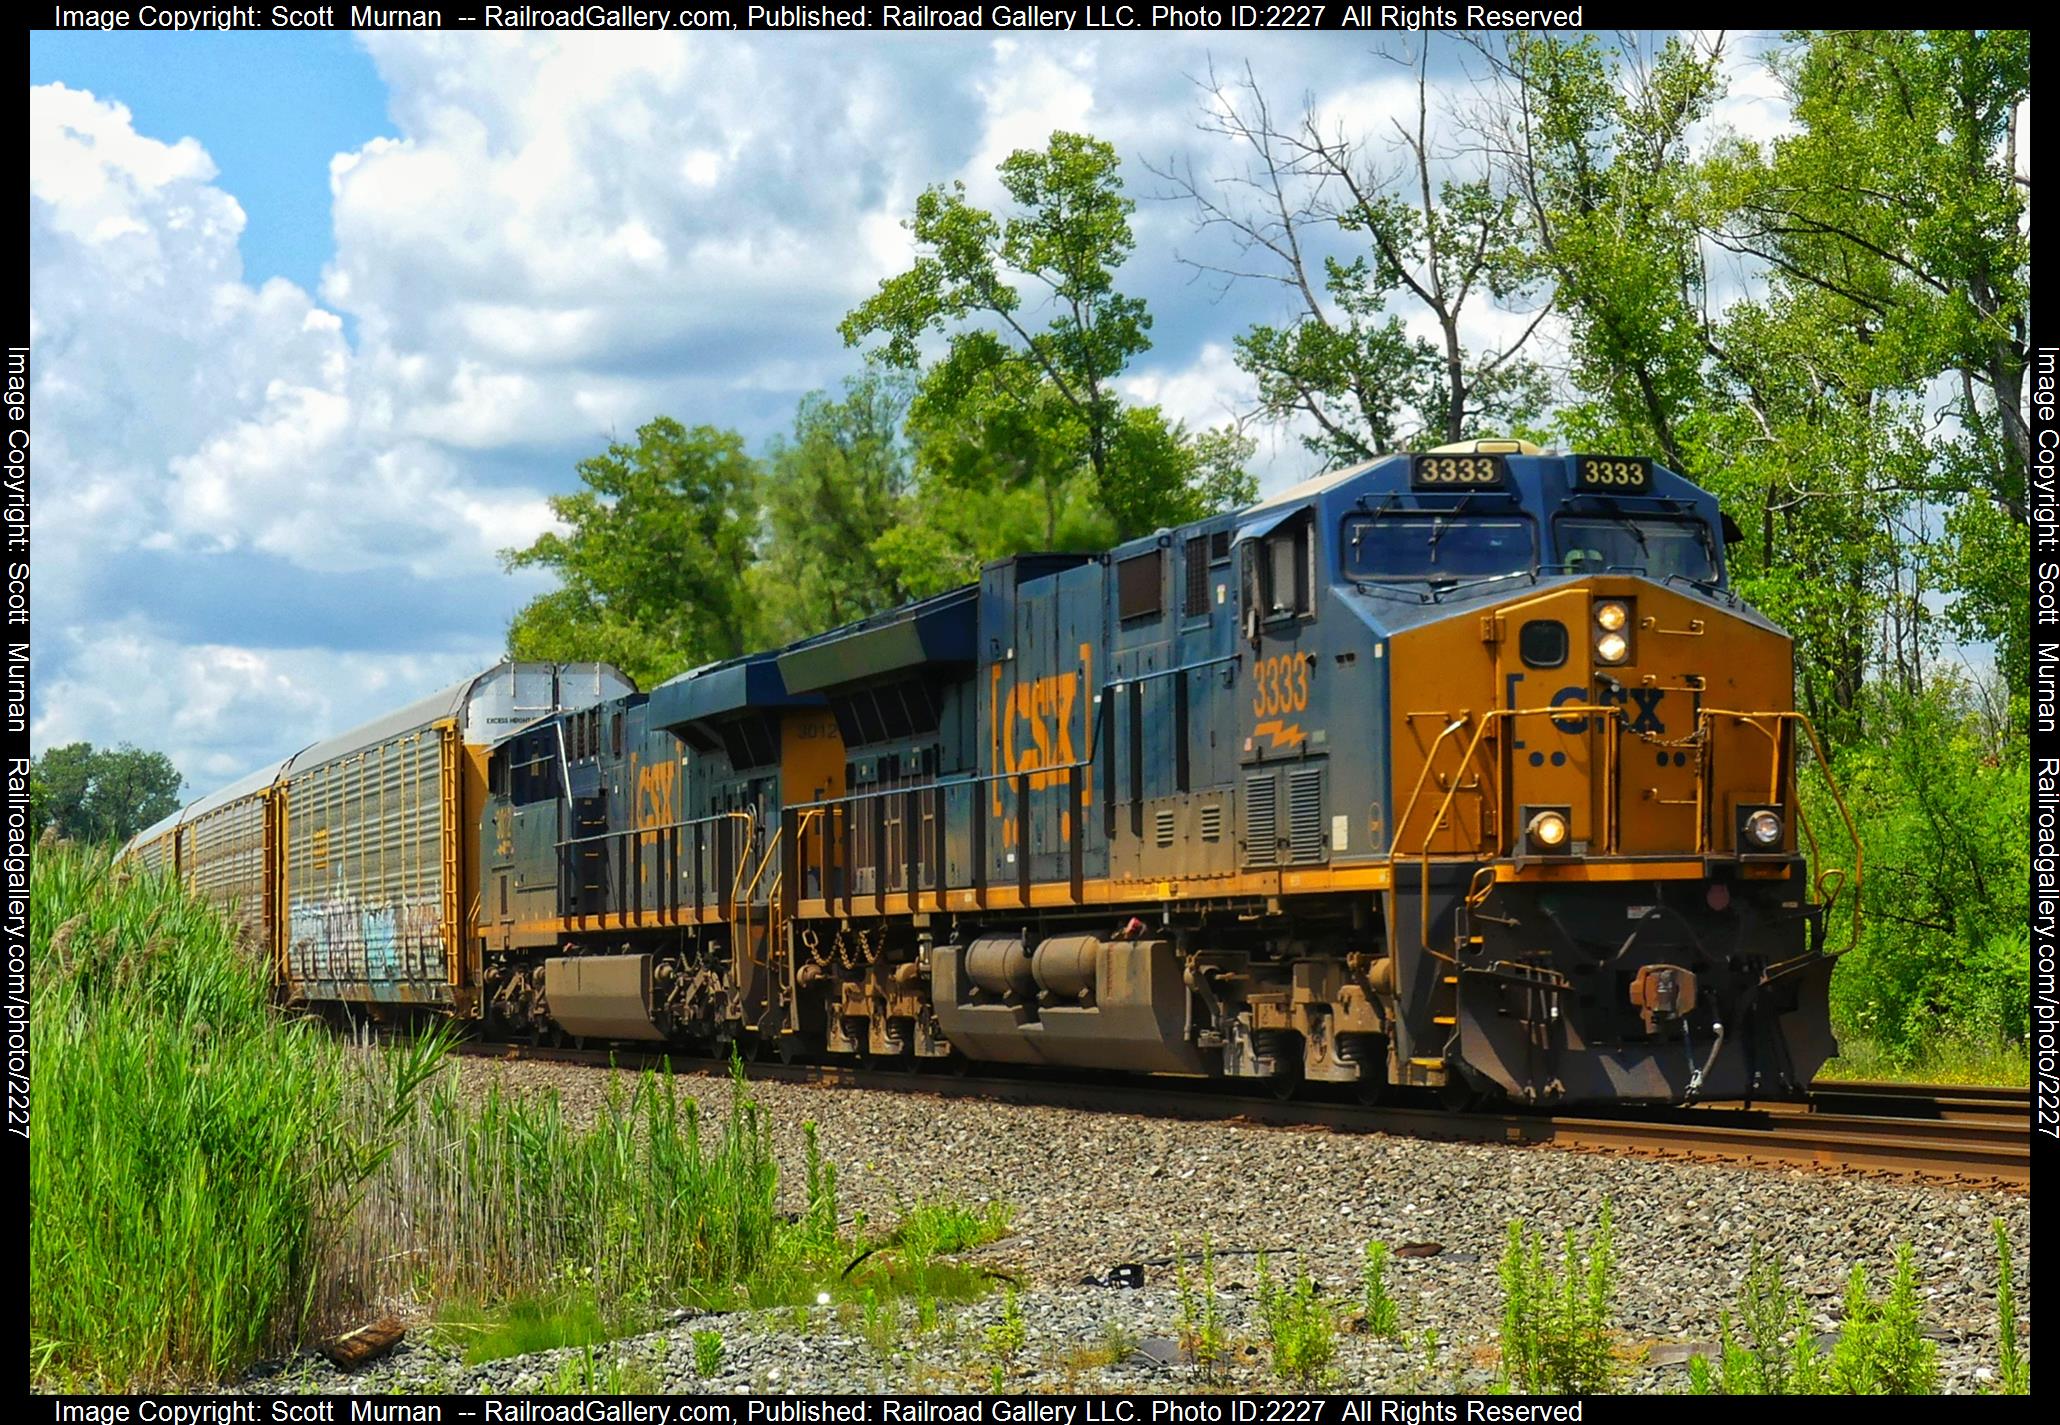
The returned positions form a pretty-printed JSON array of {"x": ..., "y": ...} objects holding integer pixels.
[{"x": 377, "y": 896}]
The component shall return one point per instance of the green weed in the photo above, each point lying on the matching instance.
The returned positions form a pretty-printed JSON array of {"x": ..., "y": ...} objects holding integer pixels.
[
  {"x": 1383, "y": 1316},
  {"x": 708, "y": 1353},
  {"x": 1778, "y": 1355},
  {"x": 2013, "y": 1374},
  {"x": 1300, "y": 1326},
  {"x": 1556, "y": 1334},
  {"x": 1202, "y": 1336},
  {"x": 1881, "y": 1348}
]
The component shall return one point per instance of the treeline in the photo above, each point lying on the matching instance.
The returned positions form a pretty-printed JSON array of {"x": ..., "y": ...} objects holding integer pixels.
[{"x": 1828, "y": 329}]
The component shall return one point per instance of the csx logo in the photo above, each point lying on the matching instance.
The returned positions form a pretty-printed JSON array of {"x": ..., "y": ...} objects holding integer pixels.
[
  {"x": 1643, "y": 717},
  {"x": 657, "y": 794},
  {"x": 1034, "y": 727}
]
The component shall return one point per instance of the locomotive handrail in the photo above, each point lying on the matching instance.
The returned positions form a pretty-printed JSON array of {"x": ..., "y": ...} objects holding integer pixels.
[
  {"x": 1437, "y": 823},
  {"x": 1802, "y": 820}
]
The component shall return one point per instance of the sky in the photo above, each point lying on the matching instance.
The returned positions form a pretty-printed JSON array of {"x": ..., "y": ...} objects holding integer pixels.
[{"x": 320, "y": 321}]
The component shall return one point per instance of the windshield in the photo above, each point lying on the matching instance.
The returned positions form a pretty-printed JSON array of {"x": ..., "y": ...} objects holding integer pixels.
[
  {"x": 1658, "y": 547},
  {"x": 1418, "y": 546}
]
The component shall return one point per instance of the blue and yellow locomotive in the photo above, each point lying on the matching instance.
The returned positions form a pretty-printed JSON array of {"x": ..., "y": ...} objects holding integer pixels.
[{"x": 1461, "y": 770}]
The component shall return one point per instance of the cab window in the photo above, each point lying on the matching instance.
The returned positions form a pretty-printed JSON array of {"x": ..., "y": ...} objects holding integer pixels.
[
  {"x": 1279, "y": 572},
  {"x": 1431, "y": 546},
  {"x": 1656, "y": 548}
]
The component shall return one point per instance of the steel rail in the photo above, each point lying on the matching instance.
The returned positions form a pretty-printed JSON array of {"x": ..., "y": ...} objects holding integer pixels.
[{"x": 1990, "y": 1151}]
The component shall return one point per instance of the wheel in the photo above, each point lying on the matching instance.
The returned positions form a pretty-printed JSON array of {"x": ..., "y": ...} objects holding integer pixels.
[{"x": 1371, "y": 1089}]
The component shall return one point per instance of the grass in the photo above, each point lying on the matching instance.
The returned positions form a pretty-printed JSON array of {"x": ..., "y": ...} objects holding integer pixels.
[
  {"x": 1951, "y": 1059},
  {"x": 196, "y": 1153},
  {"x": 215, "y": 1180}
]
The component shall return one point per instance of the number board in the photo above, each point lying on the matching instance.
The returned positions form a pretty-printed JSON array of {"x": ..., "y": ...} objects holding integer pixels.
[
  {"x": 1615, "y": 473},
  {"x": 1455, "y": 472}
]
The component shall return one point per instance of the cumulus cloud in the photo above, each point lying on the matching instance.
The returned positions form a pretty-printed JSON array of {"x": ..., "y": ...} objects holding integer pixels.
[{"x": 563, "y": 236}]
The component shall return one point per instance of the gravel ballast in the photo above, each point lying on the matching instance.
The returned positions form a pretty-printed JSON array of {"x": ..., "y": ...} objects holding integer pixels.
[{"x": 1094, "y": 1190}]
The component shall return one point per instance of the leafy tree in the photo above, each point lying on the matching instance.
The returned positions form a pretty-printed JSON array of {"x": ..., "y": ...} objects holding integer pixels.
[
  {"x": 1899, "y": 203},
  {"x": 1012, "y": 405},
  {"x": 95, "y": 794},
  {"x": 1343, "y": 360},
  {"x": 653, "y": 564},
  {"x": 834, "y": 490}
]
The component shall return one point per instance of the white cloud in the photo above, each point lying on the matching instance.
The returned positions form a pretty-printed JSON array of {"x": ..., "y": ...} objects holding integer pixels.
[{"x": 220, "y": 710}]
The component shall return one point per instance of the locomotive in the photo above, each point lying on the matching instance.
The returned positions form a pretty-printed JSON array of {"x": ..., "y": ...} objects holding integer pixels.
[{"x": 1462, "y": 771}]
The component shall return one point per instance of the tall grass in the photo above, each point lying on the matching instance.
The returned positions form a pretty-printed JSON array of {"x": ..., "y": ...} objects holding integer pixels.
[
  {"x": 501, "y": 1198},
  {"x": 212, "y": 1178},
  {"x": 194, "y": 1150}
]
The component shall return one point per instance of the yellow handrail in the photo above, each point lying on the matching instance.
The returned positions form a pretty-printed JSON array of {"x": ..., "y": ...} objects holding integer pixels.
[
  {"x": 1802, "y": 820},
  {"x": 1472, "y": 748},
  {"x": 1704, "y": 716}
]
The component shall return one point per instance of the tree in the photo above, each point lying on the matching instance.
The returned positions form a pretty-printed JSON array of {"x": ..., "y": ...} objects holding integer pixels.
[
  {"x": 653, "y": 564},
  {"x": 1899, "y": 201},
  {"x": 834, "y": 490},
  {"x": 1445, "y": 242},
  {"x": 1011, "y": 405},
  {"x": 90, "y": 794}
]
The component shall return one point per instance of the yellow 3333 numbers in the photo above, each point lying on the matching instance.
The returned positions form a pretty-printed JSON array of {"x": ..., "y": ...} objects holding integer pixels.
[
  {"x": 1281, "y": 684},
  {"x": 1457, "y": 470},
  {"x": 1602, "y": 473}
]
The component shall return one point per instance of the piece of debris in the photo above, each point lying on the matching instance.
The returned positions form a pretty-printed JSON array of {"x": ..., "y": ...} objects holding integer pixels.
[
  {"x": 1162, "y": 1352},
  {"x": 1419, "y": 1249},
  {"x": 1129, "y": 1275},
  {"x": 368, "y": 1343},
  {"x": 1675, "y": 1353}
]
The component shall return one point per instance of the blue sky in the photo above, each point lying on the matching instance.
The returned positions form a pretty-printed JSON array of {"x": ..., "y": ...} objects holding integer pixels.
[
  {"x": 321, "y": 321},
  {"x": 270, "y": 109}
]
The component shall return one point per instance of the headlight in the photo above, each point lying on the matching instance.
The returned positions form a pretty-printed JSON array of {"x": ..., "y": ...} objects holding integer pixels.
[
  {"x": 1547, "y": 828},
  {"x": 1611, "y": 648},
  {"x": 1764, "y": 827},
  {"x": 1612, "y": 616}
]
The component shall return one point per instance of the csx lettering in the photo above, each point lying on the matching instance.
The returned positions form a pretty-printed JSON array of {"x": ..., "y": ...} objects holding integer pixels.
[
  {"x": 1043, "y": 710},
  {"x": 1281, "y": 685},
  {"x": 1570, "y": 724},
  {"x": 656, "y": 785},
  {"x": 1647, "y": 700}
]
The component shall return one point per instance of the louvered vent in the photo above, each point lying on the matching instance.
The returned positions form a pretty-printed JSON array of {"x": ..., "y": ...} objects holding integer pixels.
[
  {"x": 1262, "y": 821},
  {"x": 1210, "y": 823},
  {"x": 1162, "y": 826},
  {"x": 1305, "y": 815}
]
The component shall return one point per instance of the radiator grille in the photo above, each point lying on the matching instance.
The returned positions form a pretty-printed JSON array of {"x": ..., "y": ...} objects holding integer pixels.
[
  {"x": 1162, "y": 826},
  {"x": 1305, "y": 815},
  {"x": 1210, "y": 824},
  {"x": 1262, "y": 821}
]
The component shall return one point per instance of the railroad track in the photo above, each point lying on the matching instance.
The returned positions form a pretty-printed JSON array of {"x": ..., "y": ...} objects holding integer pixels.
[{"x": 1972, "y": 1136}]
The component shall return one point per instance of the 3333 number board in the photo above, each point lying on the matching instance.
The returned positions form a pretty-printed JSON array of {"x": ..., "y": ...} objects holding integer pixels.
[
  {"x": 1616, "y": 473},
  {"x": 1455, "y": 472}
]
